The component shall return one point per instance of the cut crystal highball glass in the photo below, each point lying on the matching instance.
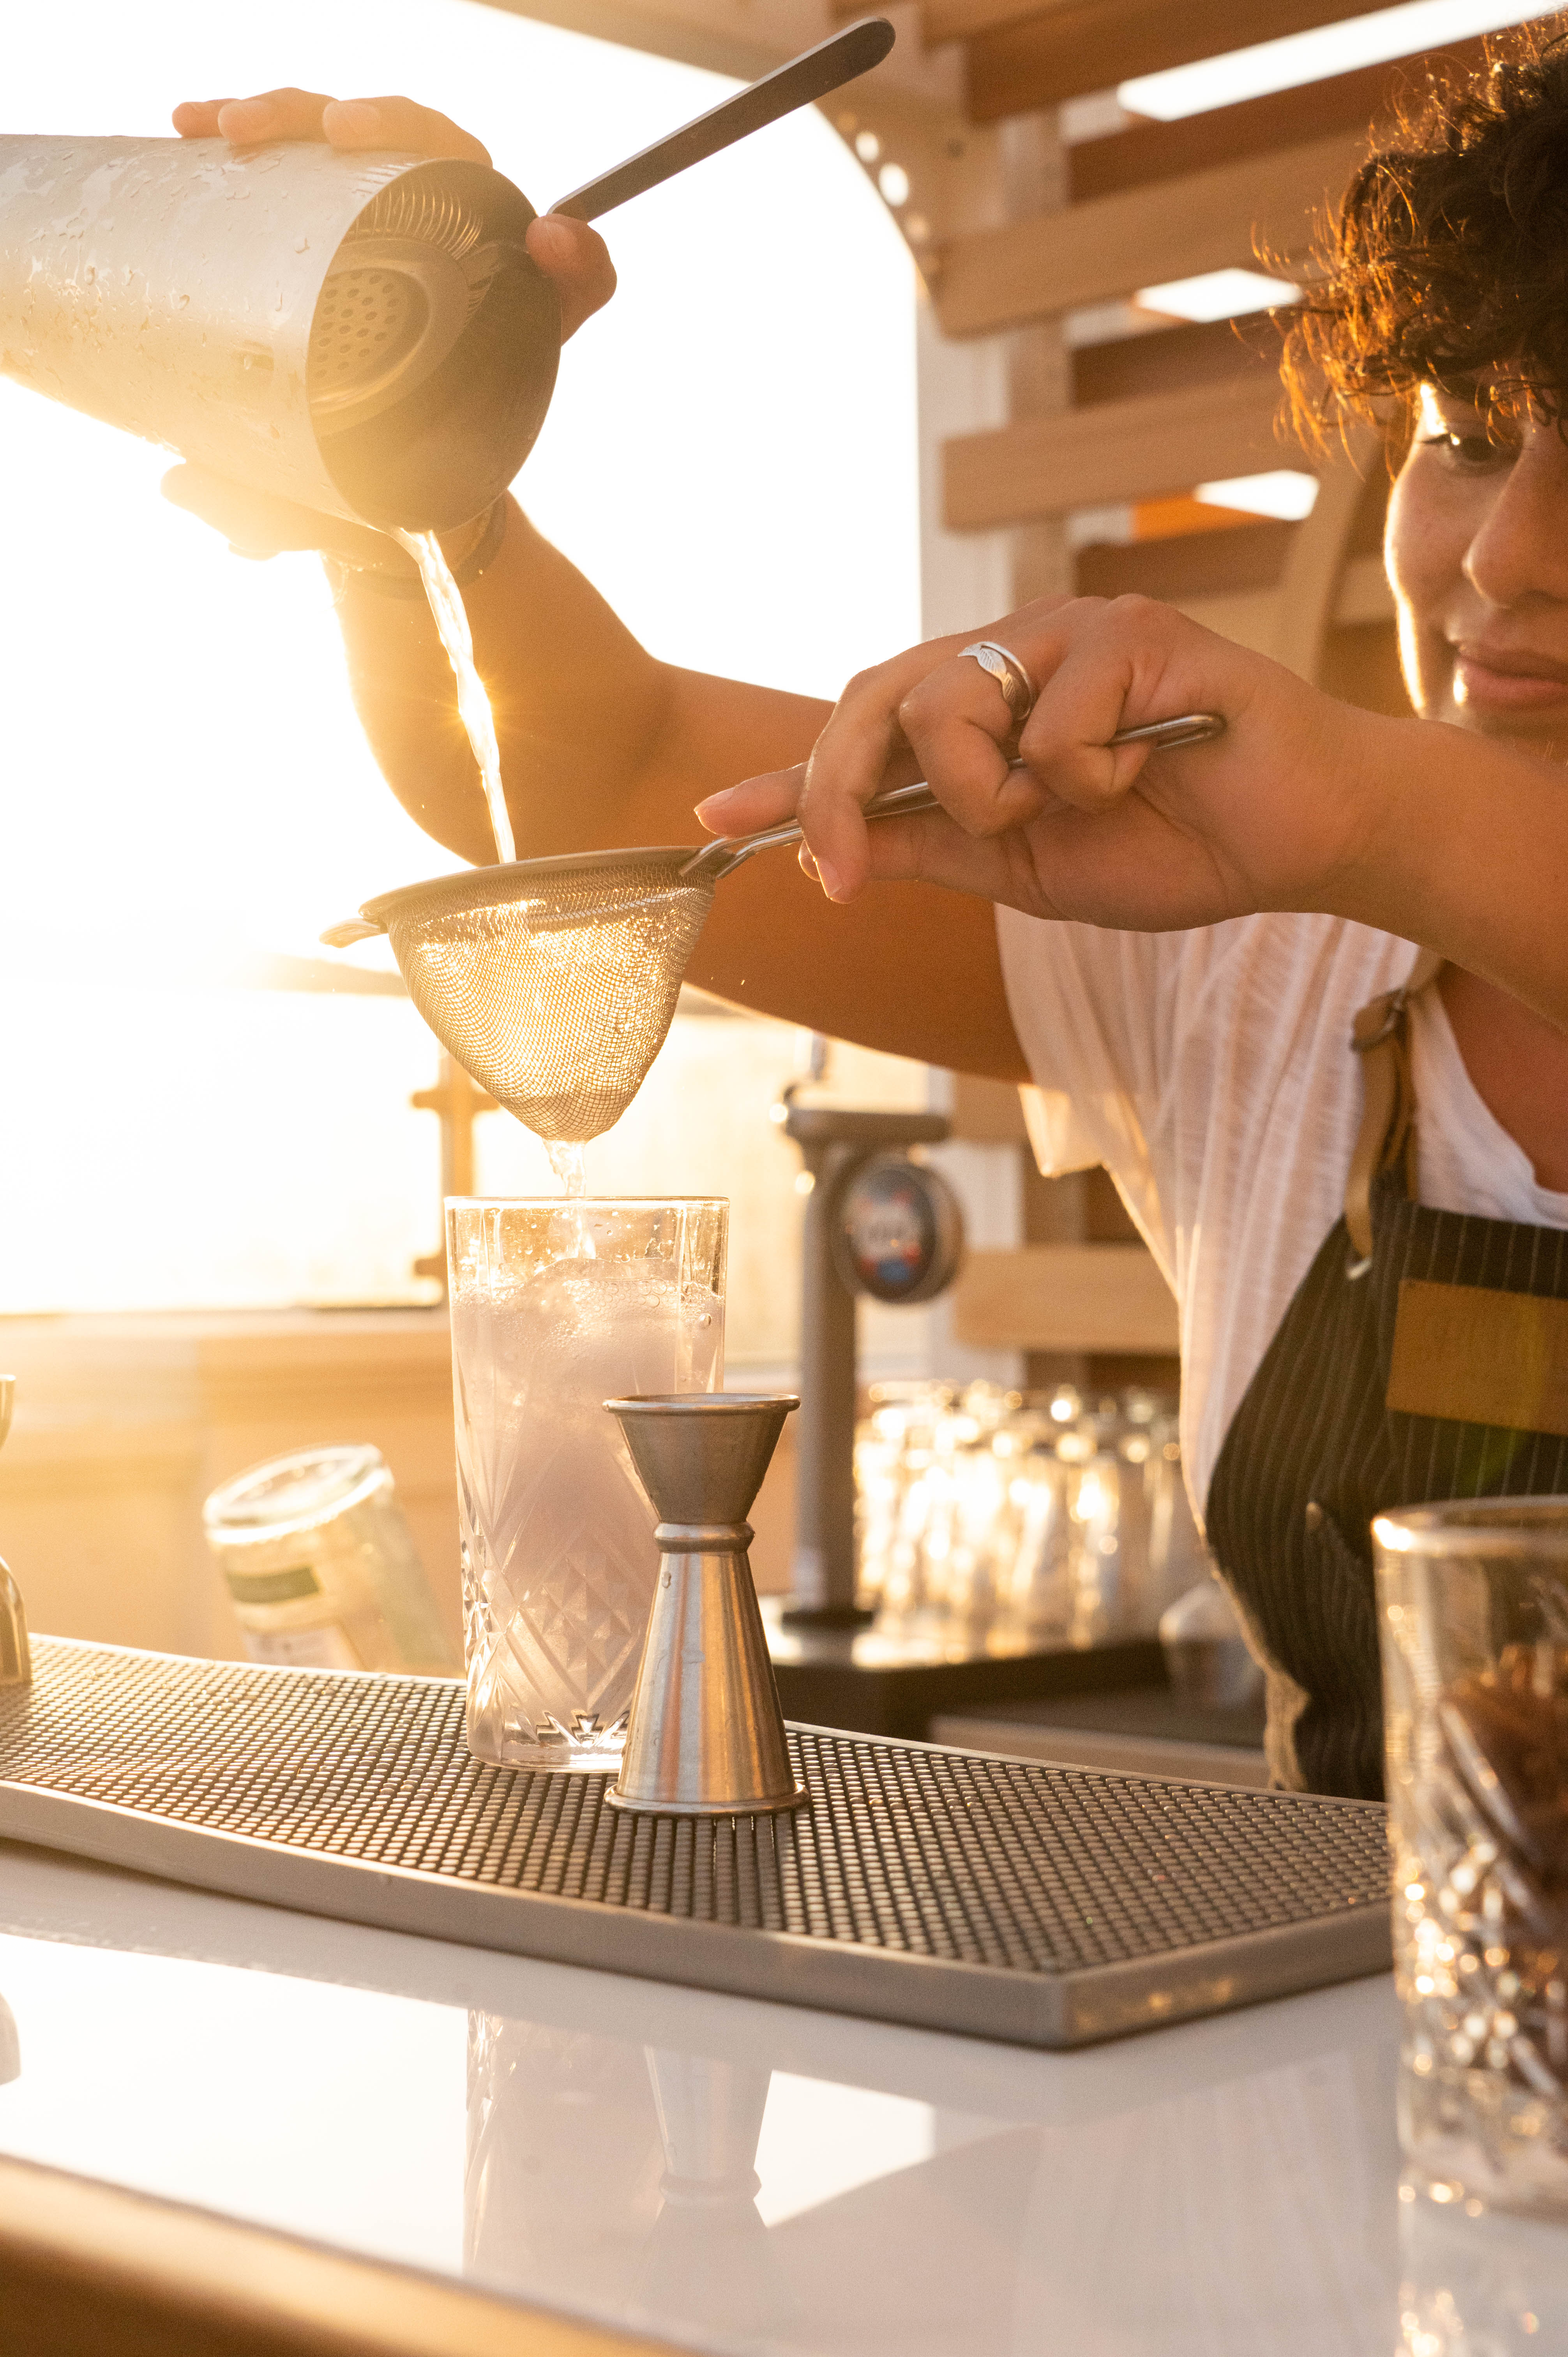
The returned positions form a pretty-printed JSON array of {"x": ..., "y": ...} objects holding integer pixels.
[
  {"x": 1473, "y": 1607},
  {"x": 556, "y": 1306}
]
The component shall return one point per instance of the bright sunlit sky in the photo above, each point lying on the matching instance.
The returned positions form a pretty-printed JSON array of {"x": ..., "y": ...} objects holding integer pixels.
[{"x": 730, "y": 456}]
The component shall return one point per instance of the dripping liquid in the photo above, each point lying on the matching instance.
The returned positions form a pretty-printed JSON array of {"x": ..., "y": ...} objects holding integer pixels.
[
  {"x": 473, "y": 703},
  {"x": 566, "y": 1161}
]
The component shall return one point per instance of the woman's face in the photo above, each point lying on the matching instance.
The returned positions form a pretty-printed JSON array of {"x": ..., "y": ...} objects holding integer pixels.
[{"x": 1477, "y": 550}]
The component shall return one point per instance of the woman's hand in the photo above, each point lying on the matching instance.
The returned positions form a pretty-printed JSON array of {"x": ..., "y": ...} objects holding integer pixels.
[
  {"x": 1264, "y": 817},
  {"x": 571, "y": 255}
]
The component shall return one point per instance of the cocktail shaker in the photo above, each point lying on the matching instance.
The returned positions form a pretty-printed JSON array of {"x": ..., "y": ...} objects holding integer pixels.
[{"x": 362, "y": 333}]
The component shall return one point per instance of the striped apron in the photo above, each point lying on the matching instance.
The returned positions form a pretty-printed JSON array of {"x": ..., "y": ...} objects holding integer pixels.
[{"x": 1424, "y": 1356}]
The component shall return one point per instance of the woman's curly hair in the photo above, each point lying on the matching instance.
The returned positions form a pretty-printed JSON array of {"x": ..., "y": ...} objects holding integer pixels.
[{"x": 1446, "y": 261}]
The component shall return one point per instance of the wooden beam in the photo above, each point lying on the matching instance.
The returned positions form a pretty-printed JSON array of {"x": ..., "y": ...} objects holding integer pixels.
[
  {"x": 1192, "y": 565},
  {"x": 1314, "y": 566},
  {"x": 1077, "y": 46},
  {"x": 1097, "y": 252},
  {"x": 1119, "y": 452},
  {"x": 1364, "y": 595},
  {"x": 1355, "y": 102},
  {"x": 1169, "y": 359},
  {"x": 90, "y": 2270},
  {"x": 1065, "y": 1297}
]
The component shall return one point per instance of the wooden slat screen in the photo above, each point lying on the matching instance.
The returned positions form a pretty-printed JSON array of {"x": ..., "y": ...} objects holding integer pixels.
[
  {"x": 1096, "y": 252},
  {"x": 1088, "y": 45}
]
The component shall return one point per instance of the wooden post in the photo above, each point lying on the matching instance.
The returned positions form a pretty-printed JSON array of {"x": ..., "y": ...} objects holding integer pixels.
[{"x": 459, "y": 1101}]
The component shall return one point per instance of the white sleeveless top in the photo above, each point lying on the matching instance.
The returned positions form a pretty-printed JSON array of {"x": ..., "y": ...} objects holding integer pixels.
[{"x": 1211, "y": 1072}]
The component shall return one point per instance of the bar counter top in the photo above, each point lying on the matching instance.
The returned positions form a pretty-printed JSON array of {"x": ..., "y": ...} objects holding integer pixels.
[{"x": 578, "y": 2162}]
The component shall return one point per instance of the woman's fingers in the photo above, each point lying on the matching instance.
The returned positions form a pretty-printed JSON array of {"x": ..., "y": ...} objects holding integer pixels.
[
  {"x": 349, "y": 123},
  {"x": 196, "y": 118},
  {"x": 863, "y": 749},
  {"x": 577, "y": 259},
  {"x": 400, "y": 123},
  {"x": 246, "y": 121},
  {"x": 767, "y": 799}
]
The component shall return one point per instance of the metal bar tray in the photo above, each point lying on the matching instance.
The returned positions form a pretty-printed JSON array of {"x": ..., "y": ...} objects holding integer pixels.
[{"x": 948, "y": 1889}]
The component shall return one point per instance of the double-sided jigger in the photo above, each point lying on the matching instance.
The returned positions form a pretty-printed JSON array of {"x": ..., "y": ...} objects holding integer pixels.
[{"x": 705, "y": 1736}]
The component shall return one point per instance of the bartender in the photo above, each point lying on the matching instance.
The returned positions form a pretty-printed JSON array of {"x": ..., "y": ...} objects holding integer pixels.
[{"x": 1304, "y": 991}]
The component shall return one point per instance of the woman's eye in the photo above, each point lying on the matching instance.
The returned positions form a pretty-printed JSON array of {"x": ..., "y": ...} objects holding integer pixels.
[{"x": 1468, "y": 451}]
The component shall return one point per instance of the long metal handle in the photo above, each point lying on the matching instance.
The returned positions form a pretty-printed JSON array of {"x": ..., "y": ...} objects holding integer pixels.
[
  {"x": 722, "y": 858},
  {"x": 827, "y": 67}
]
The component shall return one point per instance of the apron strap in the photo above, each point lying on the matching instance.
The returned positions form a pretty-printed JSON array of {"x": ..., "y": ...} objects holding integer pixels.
[{"x": 1381, "y": 1037}]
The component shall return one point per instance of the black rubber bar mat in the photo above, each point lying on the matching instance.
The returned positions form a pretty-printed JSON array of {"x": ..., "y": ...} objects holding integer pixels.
[{"x": 947, "y": 1889}]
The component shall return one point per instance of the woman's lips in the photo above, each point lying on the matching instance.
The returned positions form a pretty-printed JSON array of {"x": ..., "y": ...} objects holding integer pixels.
[{"x": 1493, "y": 679}]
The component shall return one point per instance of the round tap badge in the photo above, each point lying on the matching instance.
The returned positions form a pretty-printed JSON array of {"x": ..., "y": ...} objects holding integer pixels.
[{"x": 899, "y": 1232}]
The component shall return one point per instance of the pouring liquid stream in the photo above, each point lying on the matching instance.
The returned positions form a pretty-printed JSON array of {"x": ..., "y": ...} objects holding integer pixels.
[
  {"x": 474, "y": 708},
  {"x": 473, "y": 703}
]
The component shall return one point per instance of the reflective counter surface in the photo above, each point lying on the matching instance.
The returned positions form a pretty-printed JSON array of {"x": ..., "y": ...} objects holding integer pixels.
[{"x": 731, "y": 2176}]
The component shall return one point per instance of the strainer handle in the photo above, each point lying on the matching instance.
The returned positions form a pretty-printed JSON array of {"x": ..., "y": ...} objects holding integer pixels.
[
  {"x": 351, "y": 929},
  {"x": 719, "y": 859}
]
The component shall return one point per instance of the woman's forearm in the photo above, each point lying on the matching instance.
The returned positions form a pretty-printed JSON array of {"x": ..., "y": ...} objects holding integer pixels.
[
  {"x": 601, "y": 743},
  {"x": 1465, "y": 850}
]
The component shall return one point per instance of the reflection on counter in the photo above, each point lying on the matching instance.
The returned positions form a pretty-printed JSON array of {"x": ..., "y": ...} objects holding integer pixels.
[
  {"x": 646, "y": 2171},
  {"x": 738, "y": 2177},
  {"x": 1479, "y": 2284}
]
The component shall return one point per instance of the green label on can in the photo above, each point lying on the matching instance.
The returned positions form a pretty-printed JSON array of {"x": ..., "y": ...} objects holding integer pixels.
[{"x": 273, "y": 1586}]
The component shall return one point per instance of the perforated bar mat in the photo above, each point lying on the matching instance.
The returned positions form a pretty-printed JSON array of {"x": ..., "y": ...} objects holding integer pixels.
[{"x": 1046, "y": 1906}]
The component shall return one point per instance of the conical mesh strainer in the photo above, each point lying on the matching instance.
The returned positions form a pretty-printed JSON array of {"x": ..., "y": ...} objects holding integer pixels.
[{"x": 553, "y": 982}]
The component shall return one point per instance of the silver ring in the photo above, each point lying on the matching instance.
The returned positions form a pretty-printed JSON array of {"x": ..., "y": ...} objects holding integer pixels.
[{"x": 1017, "y": 688}]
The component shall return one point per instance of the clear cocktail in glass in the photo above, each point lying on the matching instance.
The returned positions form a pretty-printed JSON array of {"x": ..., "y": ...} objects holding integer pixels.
[
  {"x": 1473, "y": 1602},
  {"x": 557, "y": 1306}
]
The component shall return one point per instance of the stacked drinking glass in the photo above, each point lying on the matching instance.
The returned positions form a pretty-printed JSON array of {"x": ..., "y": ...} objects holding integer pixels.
[{"x": 1064, "y": 1517}]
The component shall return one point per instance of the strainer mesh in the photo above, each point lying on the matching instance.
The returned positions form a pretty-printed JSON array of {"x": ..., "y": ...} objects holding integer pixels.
[{"x": 555, "y": 994}]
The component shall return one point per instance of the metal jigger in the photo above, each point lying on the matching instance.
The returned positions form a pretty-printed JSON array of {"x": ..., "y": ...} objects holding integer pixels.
[{"x": 706, "y": 1735}]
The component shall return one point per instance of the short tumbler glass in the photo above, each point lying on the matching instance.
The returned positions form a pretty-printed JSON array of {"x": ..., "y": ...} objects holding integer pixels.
[
  {"x": 1473, "y": 1607},
  {"x": 556, "y": 1306}
]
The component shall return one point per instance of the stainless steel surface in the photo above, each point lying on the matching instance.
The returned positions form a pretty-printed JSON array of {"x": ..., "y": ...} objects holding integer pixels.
[
  {"x": 706, "y": 1735},
  {"x": 828, "y": 66},
  {"x": 727, "y": 852},
  {"x": 1040, "y": 1906},
  {"x": 188, "y": 291},
  {"x": 553, "y": 982},
  {"x": 1073, "y": 1746},
  {"x": 15, "y": 1656}
]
